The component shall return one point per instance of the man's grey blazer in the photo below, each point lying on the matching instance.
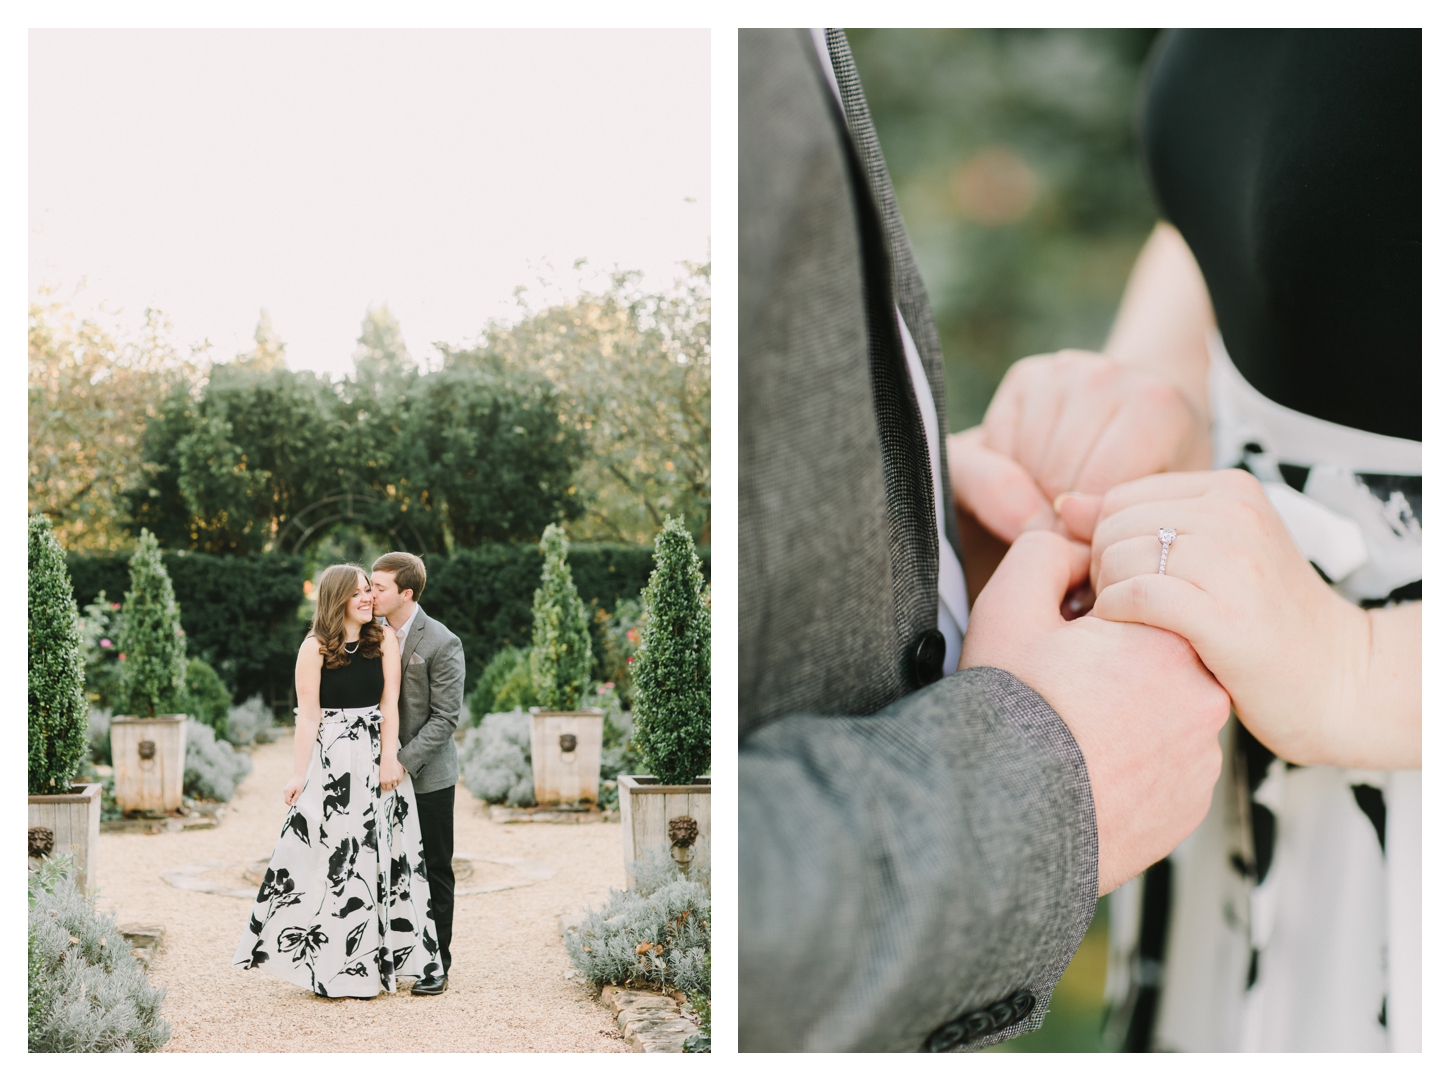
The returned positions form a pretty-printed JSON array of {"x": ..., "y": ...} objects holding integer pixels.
[
  {"x": 428, "y": 704},
  {"x": 918, "y": 858}
]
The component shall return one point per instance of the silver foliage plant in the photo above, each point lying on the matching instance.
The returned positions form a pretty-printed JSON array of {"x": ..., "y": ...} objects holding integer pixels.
[
  {"x": 251, "y": 722},
  {"x": 213, "y": 768},
  {"x": 87, "y": 992},
  {"x": 496, "y": 761},
  {"x": 656, "y": 934}
]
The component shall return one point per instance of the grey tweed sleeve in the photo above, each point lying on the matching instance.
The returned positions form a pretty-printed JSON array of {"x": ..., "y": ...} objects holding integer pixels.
[{"x": 900, "y": 870}]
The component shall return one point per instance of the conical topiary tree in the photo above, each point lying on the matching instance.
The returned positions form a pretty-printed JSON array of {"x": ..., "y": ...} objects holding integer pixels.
[
  {"x": 562, "y": 655},
  {"x": 153, "y": 648},
  {"x": 57, "y": 669},
  {"x": 672, "y": 667}
]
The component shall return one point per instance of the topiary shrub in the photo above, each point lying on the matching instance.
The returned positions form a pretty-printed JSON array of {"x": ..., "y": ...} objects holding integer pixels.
[
  {"x": 562, "y": 656},
  {"x": 205, "y": 698},
  {"x": 505, "y": 685},
  {"x": 213, "y": 768},
  {"x": 495, "y": 760},
  {"x": 153, "y": 647},
  {"x": 656, "y": 934},
  {"x": 672, "y": 668},
  {"x": 87, "y": 992},
  {"x": 57, "y": 675}
]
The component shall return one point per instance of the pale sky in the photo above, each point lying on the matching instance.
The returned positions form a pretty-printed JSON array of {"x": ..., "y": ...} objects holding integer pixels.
[{"x": 212, "y": 173}]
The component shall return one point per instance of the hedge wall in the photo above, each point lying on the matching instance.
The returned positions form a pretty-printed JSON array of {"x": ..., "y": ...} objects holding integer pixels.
[
  {"x": 243, "y": 615},
  {"x": 485, "y": 595}
]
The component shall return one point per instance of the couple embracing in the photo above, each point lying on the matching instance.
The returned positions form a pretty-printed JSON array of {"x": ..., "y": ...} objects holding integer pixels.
[{"x": 359, "y": 891}]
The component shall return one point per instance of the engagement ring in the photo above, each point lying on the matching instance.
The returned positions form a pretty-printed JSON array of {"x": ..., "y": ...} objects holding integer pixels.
[{"x": 1166, "y": 536}]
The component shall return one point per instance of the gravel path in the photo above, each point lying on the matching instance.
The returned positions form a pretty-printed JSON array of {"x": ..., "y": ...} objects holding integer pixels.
[{"x": 512, "y": 987}]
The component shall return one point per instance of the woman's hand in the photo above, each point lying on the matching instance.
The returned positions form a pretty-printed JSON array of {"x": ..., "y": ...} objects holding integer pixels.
[
  {"x": 1071, "y": 421},
  {"x": 1297, "y": 659},
  {"x": 390, "y": 773},
  {"x": 292, "y": 789}
]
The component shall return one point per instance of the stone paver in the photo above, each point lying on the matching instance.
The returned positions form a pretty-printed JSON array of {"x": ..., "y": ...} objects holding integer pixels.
[{"x": 651, "y": 1022}]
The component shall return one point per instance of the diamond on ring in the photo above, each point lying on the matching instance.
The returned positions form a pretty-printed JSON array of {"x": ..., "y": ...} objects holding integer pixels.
[{"x": 1166, "y": 536}]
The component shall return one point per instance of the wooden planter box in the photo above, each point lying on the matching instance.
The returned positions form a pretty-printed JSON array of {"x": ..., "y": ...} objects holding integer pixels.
[
  {"x": 149, "y": 757},
  {"x": 565, "y": 749},
  {"x": 74, "y": 822},
  {"x": 646, "y": 811}
]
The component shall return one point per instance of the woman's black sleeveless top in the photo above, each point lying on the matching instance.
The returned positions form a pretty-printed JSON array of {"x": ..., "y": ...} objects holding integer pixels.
[
  {"x": 356, "y": 685},
  {"x": 1290, "y": 162}
]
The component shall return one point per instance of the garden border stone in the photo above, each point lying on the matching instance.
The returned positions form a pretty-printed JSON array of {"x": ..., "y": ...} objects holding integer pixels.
[{"x": 651, "y": 1021}]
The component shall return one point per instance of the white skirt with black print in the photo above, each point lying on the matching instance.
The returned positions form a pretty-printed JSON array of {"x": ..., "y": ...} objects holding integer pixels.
[
  {"x": 344, "y": 907},
  {"x": 1290, "y": 919}
]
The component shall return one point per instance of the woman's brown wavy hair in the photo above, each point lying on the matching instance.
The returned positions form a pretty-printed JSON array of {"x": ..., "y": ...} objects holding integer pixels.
[{"x": 335, "y": 587}]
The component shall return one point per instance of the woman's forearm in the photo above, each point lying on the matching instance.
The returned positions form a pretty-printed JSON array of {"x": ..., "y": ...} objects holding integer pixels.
[
  {"x": 1381, "y": 727},
  {"x": 390, "y": 730},
  {"x": 304, "y": 740},
  {"x": 1165, "y": 317}
]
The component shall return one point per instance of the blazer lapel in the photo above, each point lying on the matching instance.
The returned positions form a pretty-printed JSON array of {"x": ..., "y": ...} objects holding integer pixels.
[
  {"x": 910, "y": 500},
  {"x": 908, "y": 289},
  {"x": 415, "y": 635}
]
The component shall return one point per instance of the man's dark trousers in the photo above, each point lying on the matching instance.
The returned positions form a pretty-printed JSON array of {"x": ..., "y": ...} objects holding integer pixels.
[{"x": 435, "y": 820}]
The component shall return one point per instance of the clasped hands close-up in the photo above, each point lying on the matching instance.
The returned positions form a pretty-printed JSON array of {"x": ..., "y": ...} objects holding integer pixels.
[
  {"x": 1183, "y": 569},
  {"x": 1080, "y": 464}
]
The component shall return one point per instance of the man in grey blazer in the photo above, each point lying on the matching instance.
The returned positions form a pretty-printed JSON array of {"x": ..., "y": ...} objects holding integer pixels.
[
  {"x": 921, "y": 847},
  {"x": 428, "y": 705}
]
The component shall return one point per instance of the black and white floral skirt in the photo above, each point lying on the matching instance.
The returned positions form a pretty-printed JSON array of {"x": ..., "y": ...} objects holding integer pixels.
[{"x": 344, "y": 907}]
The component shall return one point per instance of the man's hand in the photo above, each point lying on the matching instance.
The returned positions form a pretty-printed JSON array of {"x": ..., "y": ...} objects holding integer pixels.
[
  {"x": 1070, "y": 422},
  {"x": 1143, "y": 709}
]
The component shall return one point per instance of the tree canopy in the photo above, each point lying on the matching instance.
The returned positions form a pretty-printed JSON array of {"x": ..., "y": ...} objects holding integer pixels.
[{"x": 593, "y": 412}]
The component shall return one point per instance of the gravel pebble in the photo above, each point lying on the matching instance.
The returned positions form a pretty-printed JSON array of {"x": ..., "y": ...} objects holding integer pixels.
[{"x": 512, "y": 987}]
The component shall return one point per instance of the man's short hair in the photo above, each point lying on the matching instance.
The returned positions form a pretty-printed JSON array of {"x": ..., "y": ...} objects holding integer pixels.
[{"x": 407, "y": 570}]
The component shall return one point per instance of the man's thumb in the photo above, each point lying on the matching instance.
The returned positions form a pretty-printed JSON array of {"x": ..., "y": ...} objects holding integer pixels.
[
  {"x": 1034, "y": 577},
  {"x": 1079, "y": 513}
]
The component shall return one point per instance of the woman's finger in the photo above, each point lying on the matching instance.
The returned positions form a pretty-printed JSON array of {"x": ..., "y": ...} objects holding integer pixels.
[
  {"x": 1142, "y": 555},
  {"x": 1159, "y": 600},
  {"x": 995, "y": 488},
  {"x": 1154, "y": 432},
  {"x": 1079, "y": 514},
  {"x": 1156, "y": 488},
  {"x": 1185, "y": 516},
  {"x": 1080, "y": 426}
]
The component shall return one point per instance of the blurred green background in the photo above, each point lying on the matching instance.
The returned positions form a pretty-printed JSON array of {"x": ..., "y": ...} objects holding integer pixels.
[
  {"x": 1014, "y": 161},
  {"x": 1015, "y": 165}
]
